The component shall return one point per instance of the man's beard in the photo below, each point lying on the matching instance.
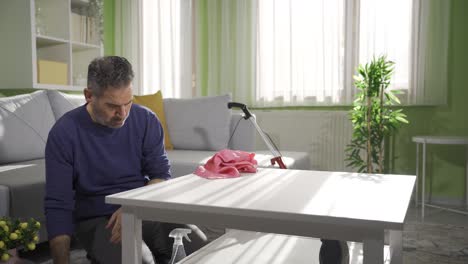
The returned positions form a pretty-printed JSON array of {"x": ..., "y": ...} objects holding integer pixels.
[{"x": 114, "y": 122}]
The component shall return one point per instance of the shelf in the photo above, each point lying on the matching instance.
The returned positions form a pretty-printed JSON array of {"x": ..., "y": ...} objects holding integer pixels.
[
  {"x": 79, "y": 3},
  {"x": 52, "y": 86},
  {"x": 45, "y": 41},
  {"x": 46, "y": 30},
  {"x": 78, "y": 87},
  {"x": 78, "y": 46},
  {"x": 58, "y": 87}
]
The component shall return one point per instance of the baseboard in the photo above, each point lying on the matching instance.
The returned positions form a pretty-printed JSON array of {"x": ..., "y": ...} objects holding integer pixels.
[{"x": 447, "y": 201}]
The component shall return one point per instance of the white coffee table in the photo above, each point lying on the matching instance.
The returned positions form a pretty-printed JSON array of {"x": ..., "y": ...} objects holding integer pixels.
[
  {"x": 333, "y": 205},
  {"x": 438, "y": 140}
]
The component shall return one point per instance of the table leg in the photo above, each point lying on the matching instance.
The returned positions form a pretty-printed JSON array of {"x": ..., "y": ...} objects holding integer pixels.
[
  {"x": 396, "y": 246},
  {"x": 131, "y": 237},
  {"x": 417, "y": 176},
  {"x": 423, "y": 193},
  {"x": 373, "y": 250}
]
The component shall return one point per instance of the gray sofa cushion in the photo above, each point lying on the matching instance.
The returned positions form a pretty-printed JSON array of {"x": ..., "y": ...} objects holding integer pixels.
[
  {"x": 25, "y": 183},
  {"x": 25, "y": 121},
  {"x": 184, "y": 162},
  {"x": 292, "y": 159},
  {"x": 62, "y": 102},
  {"x": 198, "y": 123}
]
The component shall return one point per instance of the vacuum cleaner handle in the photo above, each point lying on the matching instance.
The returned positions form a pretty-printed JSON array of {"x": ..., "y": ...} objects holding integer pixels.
[
  {"x": 247, "y": 116},
  {"x": 243, "y": 107}
]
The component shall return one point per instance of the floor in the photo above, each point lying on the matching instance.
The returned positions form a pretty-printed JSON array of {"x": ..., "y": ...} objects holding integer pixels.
[
  {"x": 433, "y": 215},
  {"x": 442, "y": 238},
  {"x": 443, "y": 221}
]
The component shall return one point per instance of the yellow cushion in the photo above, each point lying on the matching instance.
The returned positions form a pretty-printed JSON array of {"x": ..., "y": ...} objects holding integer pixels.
[{"x": 155, "y": 103}]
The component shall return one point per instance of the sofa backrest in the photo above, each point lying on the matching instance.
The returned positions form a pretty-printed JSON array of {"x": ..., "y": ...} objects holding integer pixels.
[
  {"x": 242, "y": 139},
  {"x": 25, "y": 121},
  {"x": 244, "y": 135},
  {"x": 62, "y": 102},
  {"x": 180, "y": 118},
  {"x": 206, "y": 123},
  {"x": 201, "y": 123}
]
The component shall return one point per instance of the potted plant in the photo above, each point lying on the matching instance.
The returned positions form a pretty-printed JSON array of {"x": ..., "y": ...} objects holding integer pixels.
[
  {"x": 373, "y": 116},
  {"x": 15, "y": 234}
]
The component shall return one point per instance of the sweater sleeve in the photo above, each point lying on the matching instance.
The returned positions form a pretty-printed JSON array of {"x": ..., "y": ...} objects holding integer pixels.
[
  {"x": 59, "y": 196},
  {"x": 155, "y": 163}
]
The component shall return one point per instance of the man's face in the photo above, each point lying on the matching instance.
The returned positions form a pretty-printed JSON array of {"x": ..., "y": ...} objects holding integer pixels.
[{"x": 111, "y": 109}]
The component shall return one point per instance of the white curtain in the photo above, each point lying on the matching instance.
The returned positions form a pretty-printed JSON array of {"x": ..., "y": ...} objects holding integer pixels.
[
  {"x": 167, "y": 47},
  {"x": 283, "y": 52},
  {"x": 429, "y": 53},
  {"x": 307, "y": 50},
  {"x": 128, "y": 33},
  {"x": 300, "y": 52},
  {"x": 226, "y": 38},
  {"x": 381, "y": 33}
]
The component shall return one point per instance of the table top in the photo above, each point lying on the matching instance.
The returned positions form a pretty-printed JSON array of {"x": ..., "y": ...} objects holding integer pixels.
[
  {"x": 293, "y": 195},
  {"x": 443, "y": 140}
]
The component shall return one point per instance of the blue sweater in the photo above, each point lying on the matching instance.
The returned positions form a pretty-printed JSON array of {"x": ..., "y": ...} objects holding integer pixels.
[{"x": 86, "y": 161}]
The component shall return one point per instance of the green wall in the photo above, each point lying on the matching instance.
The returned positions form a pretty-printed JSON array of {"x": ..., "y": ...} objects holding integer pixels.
[
  {"x": 109, "y": 29},
  {"x": 445, "y": 164}
]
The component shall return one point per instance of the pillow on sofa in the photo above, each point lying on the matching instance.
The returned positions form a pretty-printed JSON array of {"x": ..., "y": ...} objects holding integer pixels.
[
  {"x": 62, "y": 102},
  {"x": 198, "y": 123},
  {"x": 25, "y": 121},
  {"x": 155, "y": 103}
]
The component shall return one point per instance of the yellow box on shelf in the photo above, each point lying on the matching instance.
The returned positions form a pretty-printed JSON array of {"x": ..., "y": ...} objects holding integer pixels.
[{"x": 52, "y": 72}]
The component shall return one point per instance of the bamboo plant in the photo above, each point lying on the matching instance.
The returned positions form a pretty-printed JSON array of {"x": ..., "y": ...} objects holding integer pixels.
[{"x": 373, "y": 117}]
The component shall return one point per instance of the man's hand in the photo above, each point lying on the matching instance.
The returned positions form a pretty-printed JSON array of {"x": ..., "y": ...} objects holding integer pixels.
[
  {"x": 155, "y": 180},
  {"x": 115, "y": 224}
]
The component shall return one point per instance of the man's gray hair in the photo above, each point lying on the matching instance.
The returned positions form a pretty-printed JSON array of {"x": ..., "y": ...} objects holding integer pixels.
[{"x": 109, "y": 72}]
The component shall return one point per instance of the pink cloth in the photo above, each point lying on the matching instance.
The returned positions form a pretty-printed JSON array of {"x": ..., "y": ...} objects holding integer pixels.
[{"x": 227, "y": 163}]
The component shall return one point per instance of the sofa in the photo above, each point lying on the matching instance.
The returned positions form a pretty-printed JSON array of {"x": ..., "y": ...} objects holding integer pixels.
[{"x": 198, "y": 128}]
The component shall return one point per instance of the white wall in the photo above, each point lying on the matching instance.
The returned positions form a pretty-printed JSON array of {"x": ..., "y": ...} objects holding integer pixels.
[{"x": 323, "y": 134}]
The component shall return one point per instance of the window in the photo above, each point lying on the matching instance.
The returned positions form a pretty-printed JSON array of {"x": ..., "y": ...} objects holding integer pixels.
[
  {"x": 293, "y": 52},
  {"x": 385, "y": 27},
  {"x": 308, "y": 50}
]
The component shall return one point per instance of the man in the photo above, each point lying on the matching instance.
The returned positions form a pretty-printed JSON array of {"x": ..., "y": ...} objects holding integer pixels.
[{"x": 104, "y": 147}]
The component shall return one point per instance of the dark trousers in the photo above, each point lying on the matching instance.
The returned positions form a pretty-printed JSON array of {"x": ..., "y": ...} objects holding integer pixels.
[
  {"x": 334, "y": 252},
  {"x": 94, "y": 237}
]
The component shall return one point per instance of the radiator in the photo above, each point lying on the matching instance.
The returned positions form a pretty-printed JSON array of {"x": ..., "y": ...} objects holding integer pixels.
[{"x": 323, "y": 134}]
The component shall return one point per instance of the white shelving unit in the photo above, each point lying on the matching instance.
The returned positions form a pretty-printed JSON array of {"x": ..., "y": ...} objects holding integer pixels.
[{"x": 37, "y": 30}]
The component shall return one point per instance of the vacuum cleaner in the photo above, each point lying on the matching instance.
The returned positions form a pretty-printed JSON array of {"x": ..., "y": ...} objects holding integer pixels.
[
  {"x": 331, "y": 251},
  {"x": 269, "y": 143}
]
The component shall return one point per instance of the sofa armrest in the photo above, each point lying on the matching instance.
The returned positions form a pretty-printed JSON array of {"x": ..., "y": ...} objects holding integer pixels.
[{"x": 244, "y": 136}]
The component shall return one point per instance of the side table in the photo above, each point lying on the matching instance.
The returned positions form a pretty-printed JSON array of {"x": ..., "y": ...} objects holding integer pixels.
[{"x": 438, "y": 140}]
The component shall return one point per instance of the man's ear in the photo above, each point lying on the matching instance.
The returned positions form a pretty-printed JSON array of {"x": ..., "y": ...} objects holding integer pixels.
[{"x": 87, "y": 94}]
